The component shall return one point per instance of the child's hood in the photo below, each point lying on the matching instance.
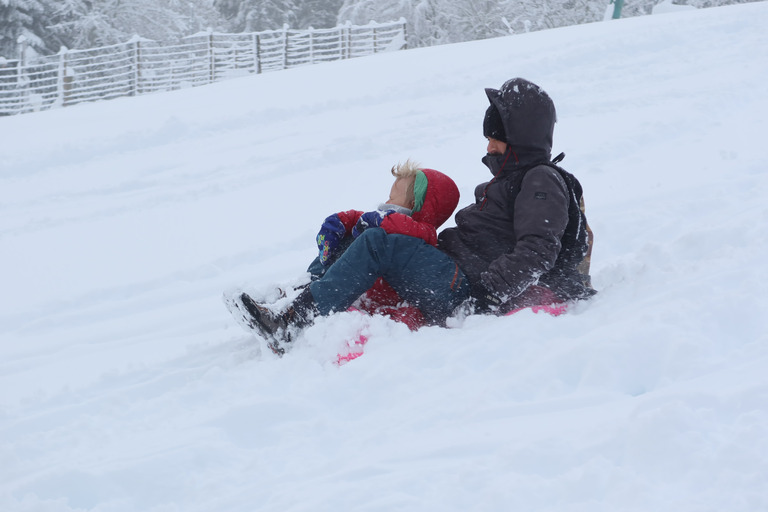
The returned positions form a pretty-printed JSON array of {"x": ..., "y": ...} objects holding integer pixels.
[{"x": 440, "y": 197}]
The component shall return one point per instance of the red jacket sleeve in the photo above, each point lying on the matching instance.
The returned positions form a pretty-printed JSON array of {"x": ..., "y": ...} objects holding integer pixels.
[
  {"x": 399, "y": 224},
  {"x": 349, "y": 219},
  {"x": 394, "y": 224}
]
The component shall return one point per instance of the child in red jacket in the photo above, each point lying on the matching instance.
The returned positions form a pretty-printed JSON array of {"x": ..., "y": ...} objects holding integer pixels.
[
  {"x": 419, "y": 202},
  {"x": 359, "y": 250}
]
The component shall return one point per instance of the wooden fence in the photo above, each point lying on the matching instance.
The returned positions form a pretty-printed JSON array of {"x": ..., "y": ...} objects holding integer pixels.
[{"x": 142, "y": 66}]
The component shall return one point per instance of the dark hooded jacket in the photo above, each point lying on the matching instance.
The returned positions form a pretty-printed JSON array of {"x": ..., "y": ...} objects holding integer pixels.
[{"x": 513, "y": 236}]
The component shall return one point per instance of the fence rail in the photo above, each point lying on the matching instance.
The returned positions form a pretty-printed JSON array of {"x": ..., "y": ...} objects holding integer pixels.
[{"x": 142, "y": 66}]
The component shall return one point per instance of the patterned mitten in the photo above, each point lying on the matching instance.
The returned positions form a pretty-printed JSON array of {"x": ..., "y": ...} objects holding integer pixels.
[
  {"x": 370, "y": 220},
  {"x": 329, "y": 237}
]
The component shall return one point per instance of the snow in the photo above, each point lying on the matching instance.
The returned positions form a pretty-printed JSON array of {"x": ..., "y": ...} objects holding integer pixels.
[{"x": 126, "y": 386}]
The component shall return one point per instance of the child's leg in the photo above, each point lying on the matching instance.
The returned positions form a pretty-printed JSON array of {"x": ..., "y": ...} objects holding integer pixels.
[{"x": 418, "y": 272}]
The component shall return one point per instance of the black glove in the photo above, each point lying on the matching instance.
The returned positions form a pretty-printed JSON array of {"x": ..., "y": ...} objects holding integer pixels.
[{"x": 487, "y": 299}]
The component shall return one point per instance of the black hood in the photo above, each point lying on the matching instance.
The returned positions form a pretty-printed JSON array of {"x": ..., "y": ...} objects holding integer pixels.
[{"x": 528, "y": 115}]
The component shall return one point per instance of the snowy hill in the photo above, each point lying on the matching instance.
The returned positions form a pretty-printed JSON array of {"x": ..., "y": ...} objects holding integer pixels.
[{"x": 126, "y": 386}]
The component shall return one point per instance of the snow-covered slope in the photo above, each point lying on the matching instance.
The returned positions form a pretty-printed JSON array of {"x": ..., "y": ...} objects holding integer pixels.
[{"x": 126, "y": 386}]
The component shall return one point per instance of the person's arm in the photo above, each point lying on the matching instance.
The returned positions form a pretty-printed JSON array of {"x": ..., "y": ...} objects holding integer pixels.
[
  {"x": 349, "y": 218},
  {"x": 541, "y": 216},
  {"x": 397, "y": 223}
]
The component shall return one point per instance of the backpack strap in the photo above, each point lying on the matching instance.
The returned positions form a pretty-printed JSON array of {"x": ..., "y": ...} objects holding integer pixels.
[{"x": 578, "y": 237}]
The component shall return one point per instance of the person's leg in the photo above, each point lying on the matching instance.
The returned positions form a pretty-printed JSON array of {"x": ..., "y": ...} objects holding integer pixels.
[{"x": 421, "y": 274}]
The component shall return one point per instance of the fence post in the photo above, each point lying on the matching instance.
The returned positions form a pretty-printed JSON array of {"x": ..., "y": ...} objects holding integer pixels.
[
  {"x": 405, "y": 33},
  {"x": 22, "y": 44},
  {"x": 285, "y": 46},
  {"x": 21, "y": 81},
  {"x": 347, "y": 49},
  {"x": 62, "y": 83},
  {"x": 257, "y": 52},
  {"x": 375, "y": 42},
  {"x": 211, "y": 57},
  {"x": 136, "y": 86},
  {"x": 311, "y": 46}
]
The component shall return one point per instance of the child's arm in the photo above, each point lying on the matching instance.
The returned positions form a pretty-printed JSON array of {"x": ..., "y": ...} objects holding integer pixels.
[
  {"x": 399, "y": 224},
  {"x": 394, "y": 224},
  {"x": 349, "y": 218},
  {"x": 334, "y": 229}
]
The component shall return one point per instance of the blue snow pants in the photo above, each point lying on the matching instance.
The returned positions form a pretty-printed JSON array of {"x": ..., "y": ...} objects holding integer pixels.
[{"x": 420, "y": 274}]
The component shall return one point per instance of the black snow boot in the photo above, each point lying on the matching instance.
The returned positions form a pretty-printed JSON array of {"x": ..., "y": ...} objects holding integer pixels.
[{"x": 281, "y": 327}]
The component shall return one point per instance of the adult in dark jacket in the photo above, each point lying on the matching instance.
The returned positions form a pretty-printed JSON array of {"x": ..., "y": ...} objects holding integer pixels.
[{"x": 523, "y": 242}]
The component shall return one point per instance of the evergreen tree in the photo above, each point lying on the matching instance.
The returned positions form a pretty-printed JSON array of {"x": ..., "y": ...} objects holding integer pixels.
[
  {"x": 531, "y": 15},
  {"x": 91, "y": 23},
  {"x": 257, "y": 15},
  {"x": 448, "y": 21},
  {"x": 27, "y": 18},
  {"x": 426, "y": 18},
  {"x": 317, "y": 13},
  {"x": 476, "y": 19}
]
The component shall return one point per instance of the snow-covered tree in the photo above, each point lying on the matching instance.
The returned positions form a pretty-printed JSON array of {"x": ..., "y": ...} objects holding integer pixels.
[
  {"x": 427, "y": 20},
  {"x": 27, "y": 18},
  {"x": 712, "y": 3},
  {"x": 196, "y": 15},
  {"x": 476, "y": 19},
  {"x": 530, "y": 15},
  {"x": 447, "y": 21},
  {"x": 88, "y": 23},
  {"x": 256, "y": 15},
  {"x": 317, "y": 13}
]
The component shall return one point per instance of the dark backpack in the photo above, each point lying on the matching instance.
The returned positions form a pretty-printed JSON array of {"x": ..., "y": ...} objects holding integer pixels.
[{"x": 573, "y": 259}]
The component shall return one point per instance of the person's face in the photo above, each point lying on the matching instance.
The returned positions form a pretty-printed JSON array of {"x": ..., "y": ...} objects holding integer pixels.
[
  {"x": 496, "y": 147},
  {"x": 398, "y": 195}
]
